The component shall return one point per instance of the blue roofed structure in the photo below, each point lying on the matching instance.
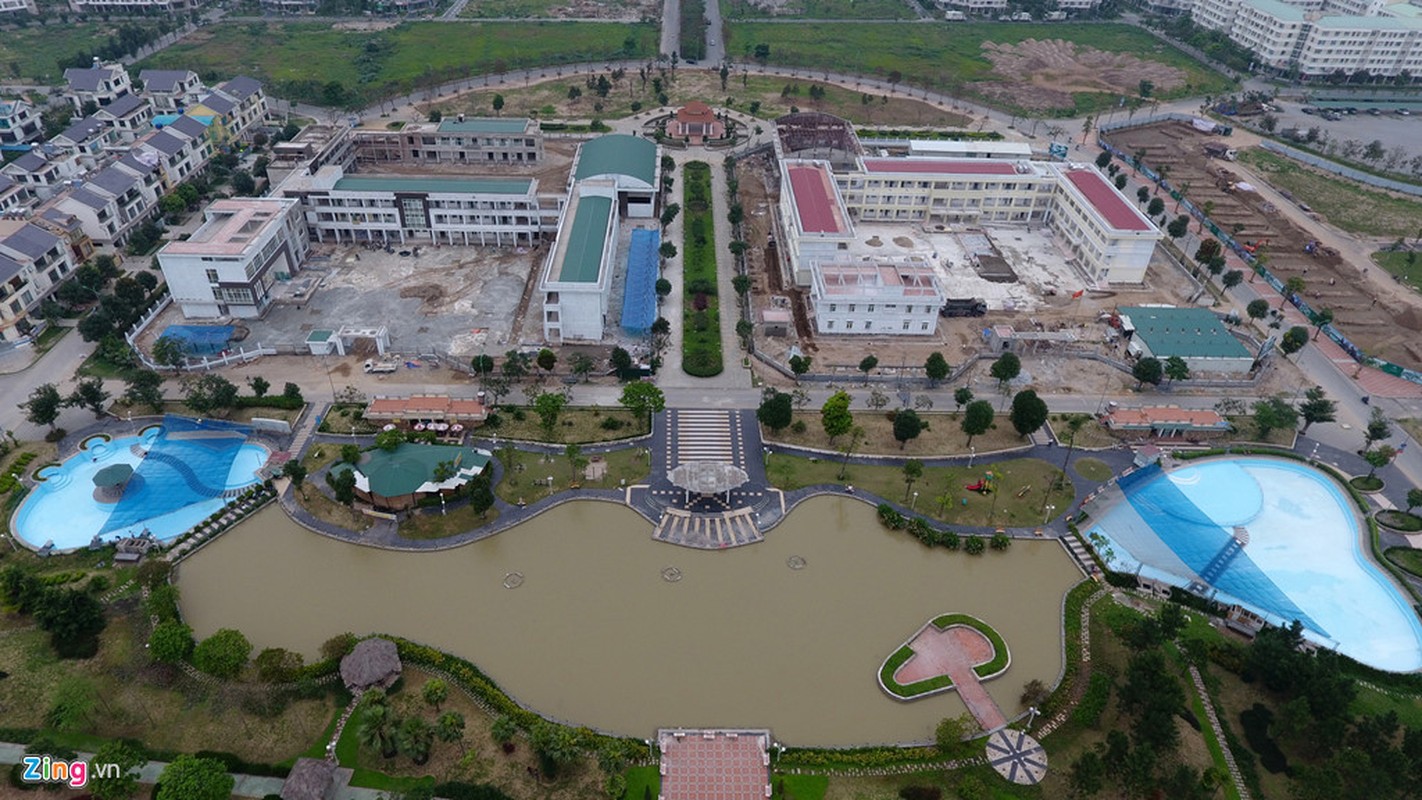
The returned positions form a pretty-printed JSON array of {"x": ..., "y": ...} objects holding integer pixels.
[{"x": 639, "y": 296}]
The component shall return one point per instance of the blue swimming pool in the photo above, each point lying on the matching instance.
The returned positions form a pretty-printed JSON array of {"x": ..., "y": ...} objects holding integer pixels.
[
  {"x": 1303, "y": 554},
  {"x": 183, "y": 472}
]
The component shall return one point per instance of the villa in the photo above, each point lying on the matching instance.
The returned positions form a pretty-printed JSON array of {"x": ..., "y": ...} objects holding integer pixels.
[{"x": 396, "y": 480}]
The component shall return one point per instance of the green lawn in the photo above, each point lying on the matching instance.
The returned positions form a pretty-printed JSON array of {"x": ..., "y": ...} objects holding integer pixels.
[
  {"x": 950, "y": 57},
  {"x": 582, "y": 425},
  {"x": 820, "y": 9},
  {"x": 528, "y": 480},
  {"x": 1093, "y": 469},
  {"x": 33, "y": 53},
  {"x": 316, "y": 63},
  {"x": 941, "y": 493},
  {"x": 642, "y": 782},
  {"x": 1344, "y": 203},
  {"x": 1406, "y": 558},
  {"x": 1407, "y": 266},
  {"x": 789, "y": 787}
]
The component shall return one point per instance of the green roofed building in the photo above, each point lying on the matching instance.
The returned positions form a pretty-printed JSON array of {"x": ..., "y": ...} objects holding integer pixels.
[
  {"x": 1194, "y": 334},
  {"x": 399, "y": 478}
]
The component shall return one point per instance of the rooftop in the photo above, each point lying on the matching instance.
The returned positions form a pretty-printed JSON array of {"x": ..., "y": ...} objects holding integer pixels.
[
  {"x": 410, "y": 468},
  {"x": 586, "y": 239},
  {"x": 241, "y": 87},
  {"x": 618, "y": 154},
  {"x": 420, "y": 406},
  {"x": 232, "y": 225},
  {"x": 1183, "y": 332},
  {"x": 483, "y": 125},
  {"x": 1106, "y": 200},
  {"x": 1169, "y": 416},
  {"x": 1279, "y": 10},
  {"x": 939, "y": 166},
  {"x": 88, "y": 79},
  {"x": 815, "y": 203},
  {"x": 696, "y": 111},
  {"x": 433, "y": 185},
  {"x": 895, "y": 280},
  {"x": 163, "y": 80},
  {"x": 977, "y": 149},
  {"x": 30, "y": 241}
]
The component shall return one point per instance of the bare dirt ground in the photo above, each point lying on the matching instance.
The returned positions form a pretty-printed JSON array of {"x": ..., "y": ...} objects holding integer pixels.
[
  {"x": 1046, "y": 72},
  {"x": 1382, "y": 323},
  {"x": 365, "y": 26}
]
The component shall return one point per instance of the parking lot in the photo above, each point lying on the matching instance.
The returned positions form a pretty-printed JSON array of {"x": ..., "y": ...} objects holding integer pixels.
[{"x": 1392, "y": 130}]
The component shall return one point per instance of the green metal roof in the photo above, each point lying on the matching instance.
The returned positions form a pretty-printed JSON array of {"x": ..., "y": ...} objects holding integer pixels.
[
  {"x": 320, "y": 335},
  {"x": 1184, "y": 332},
  {"x": 483, "y": 125},
  {"x": 582, "y": 259},
  {"x": 357, "y": 183},
  {"x": 407, "y": 467},
  {"x": 1279, "y": 9},
  {"x": 618, "y": 154}
]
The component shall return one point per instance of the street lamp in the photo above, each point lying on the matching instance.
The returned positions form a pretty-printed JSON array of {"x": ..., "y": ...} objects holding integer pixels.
[
  {"x": 1050, "y": 509},
  {"x": 972, "y": 454},
  {"x": 914, "y": 504},
  {"x": 1032, "y": 713}
]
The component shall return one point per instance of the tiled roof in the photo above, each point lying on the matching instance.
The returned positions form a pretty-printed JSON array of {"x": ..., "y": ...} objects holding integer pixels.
[
  {"x": 166, "y": 143},
  {"x": 241, "y": 87},
  {"x": 218, "y": 103},
  {"x": 190, "y": 127},
  {"x": 125, "y": 105},
  {"x": 84, "y": 130},
  {"x": 87, "y": 80},
  {"x": 31, "y": 161},
  {"x": 8, "y": 269},
  {"x": 30, "y": 241},
  {"x": 89, "y": 199},
  {"x": 163, "y": 80},
  {"x": 113, "y": 180}
]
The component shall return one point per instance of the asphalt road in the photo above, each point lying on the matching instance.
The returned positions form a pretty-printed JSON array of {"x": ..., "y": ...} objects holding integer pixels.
[{"x": 1391, "y": 129}]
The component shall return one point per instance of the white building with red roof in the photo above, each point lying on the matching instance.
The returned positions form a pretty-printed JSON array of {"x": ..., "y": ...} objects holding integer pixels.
[
  {"x": 1112, "y": 240},
  {"x": 817, "y": 225}
]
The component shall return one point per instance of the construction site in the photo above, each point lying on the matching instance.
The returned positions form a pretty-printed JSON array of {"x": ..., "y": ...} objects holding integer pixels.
[{"x": 1381, "y": 323}]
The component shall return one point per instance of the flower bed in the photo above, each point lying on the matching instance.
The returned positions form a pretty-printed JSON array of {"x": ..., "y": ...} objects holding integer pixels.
[{"x": 1001, "y": 658}]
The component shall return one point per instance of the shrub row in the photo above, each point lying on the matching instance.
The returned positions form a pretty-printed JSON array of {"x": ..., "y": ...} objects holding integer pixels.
[
  {"x": 1093, "y": 701},
  {"x": 271, "y": 401},
  {"x": 8, "y": 481},
  {"x": 929, "y": 536},
  {"x": 859, "y": 758},
  {"x": 701, "y": 312}
]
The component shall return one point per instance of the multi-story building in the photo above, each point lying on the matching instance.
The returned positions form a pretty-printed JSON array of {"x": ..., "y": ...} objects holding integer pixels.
[
  {"x": 878, "y": 296},
  {"x": 316, "y": 146},
  {"x": 99, "y": 84},
  {"x": 229, "y": 265},
  {"x": 133, "y": 6},
  {"x": 400, "y": 209},
  {"x": 178, "y": 157},
  {"x": 14, "y": 196},
  {"x": 1108, "y": 234},
  {"x": 32, "y": 262},
  {"x": 18, "y": 7},
  {"x": 942, "y": 191},
  {"x": 975, "y": 6},
  {"x": 236, "y": 107},
  {"x": 19, "y": 122},
  {"x": 459, "y": 141},
  {"x": 1314, "y": 38},
  {"x": 86, "y": 139},
  {"x": 115, "y": 201},
  {"x": 289, "y": 7},
  {"x": 578, "y": 274},
  {"x": 171, "y": 90},
  {"x": 43, "y": 170},
  {"x": 817, "y": 226},
  {"x": 129, "y": 116}
]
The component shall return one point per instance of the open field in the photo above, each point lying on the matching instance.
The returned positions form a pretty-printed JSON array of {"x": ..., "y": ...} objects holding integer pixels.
[
  {"x": 579, "y": 424},
  {"x": 1018, "y": 502},
  {"x": 759, "y": 95},
  {"x": 1344, "y": 203},
  {"x": 1073, "y": 69},
  {"x": 528, "y": 480},
  {"x": 942, "y": 436},
  {"x": 122, "y": 409},
  {"x": 358, "y": 67},
  {"x": 630, "y": 10},
  {"x": 33, "y": 53},
  {"x": 818, "y": 9},
  {"x": 1398, "y": 264}
]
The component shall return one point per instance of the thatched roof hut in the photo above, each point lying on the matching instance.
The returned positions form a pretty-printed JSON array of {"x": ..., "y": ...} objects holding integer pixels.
[
  {"x": 310, "y": 779},
  {"x": 373, "y": 663}
]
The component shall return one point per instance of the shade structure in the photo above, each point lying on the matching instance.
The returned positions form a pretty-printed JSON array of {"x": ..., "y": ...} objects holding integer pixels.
[
  {"x": 707, "y": 477},
  {"x": 113, "y": 476}
]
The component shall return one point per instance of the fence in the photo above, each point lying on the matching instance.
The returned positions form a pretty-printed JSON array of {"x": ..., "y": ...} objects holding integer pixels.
[
  {"x": 242, "y": 356},
  {"x": 1341, "y": 169},
  {"x": 1353, "y": 351}
]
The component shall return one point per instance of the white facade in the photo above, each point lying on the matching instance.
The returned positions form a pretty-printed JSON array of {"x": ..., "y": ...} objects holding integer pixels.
[
  {"x": 43, "y": 171},
  {"x": 19, "y": 122},
  {"x": 974, "y": 6},
  {"x": 132, "y": 6},
  {"x": 578, "y": 273},
  {"x": 817, "y": 225},
  {"x": 1110, "y": 236},
  {"x": 230, "y": 263},
  {"x": 179, "y": 157},
  {"x": 1319, "y": 37},
  {"x": 877, "y": 297},
  {"x": 18, "y": 7},
  {"x": 99, "y": 84},
  {"x": 32, "y": 262},
  {"x": 171, "y": 90},
  {"x": 14, "y": 197},
  {"x": 114, "y": 201}
]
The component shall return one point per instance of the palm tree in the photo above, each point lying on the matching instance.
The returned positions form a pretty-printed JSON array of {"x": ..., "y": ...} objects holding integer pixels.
[
  {"x": 1322, "y": 318},
  {"x": 414, "y": 738},
  {"x": 374, "y": 730},
  {"x": 1293, "y": 285},
  {"x": 450, "y": 728}
]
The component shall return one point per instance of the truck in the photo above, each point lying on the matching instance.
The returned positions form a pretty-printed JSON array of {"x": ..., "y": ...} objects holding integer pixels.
[
  {"x": 954, "y": 16},
  {"x": 964, "y": 307},
  {"x": 372, "y": 366},
  {"x": 1220, "y": 150}
]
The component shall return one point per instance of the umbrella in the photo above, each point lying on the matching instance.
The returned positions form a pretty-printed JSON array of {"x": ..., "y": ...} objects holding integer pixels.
[
  {"x": 389, "y": 427},
  {"x": 112, "y": 476}
]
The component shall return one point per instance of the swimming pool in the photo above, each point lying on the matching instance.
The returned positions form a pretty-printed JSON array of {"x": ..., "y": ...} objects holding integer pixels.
[
  {"x": 180, "y": 477},
  {"x": 1302, "y": 555}
]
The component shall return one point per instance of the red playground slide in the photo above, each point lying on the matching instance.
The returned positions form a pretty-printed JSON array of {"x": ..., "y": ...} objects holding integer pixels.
[{"x": 976, "y": 487}]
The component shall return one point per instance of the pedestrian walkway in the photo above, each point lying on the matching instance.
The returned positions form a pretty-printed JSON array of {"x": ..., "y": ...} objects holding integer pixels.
[
  {"x": 697, "y": 435},
  {"x": 708, "y": 531}
]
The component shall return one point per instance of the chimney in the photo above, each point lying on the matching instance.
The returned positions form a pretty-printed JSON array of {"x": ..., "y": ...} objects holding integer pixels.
[
  {"x": 461, "y": 117},
  {"x": 97, "y": 62}
]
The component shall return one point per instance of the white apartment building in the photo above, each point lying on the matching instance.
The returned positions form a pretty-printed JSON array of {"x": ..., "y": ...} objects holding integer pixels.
[
  {"x": 1320, "y": 37},
  {"x": 577, "y": 276},
  {"x": 396, "y": 209},
  {"x": 1110, "y": 237},
  {"x": 132, "y": 6},
  {"x": 18, "y": 7},
  {"x": 14, "y": 197},
  {"x": 19, "y": 122},
  {"x": 817, "y": 226},
  {"x": 130, "y": 116},
  {"x": 876, "y": 297},
  {"x": 178, "y": 157},
  {"x": 238, "y": 107},
  {"x": 87, "y": 140},
  {"x": 227, "y": 268},
  {"x": 32, "y": 262},
  {"x": 114, "y": 201},
  {"x": 460, "y": 141},
  {"x": 99, "y": 84},
  {"x": 974, "y": 6},
  {"x": 284, "y": 7},
  {"x": 171, "y": 90},
  {"x": 43, "y": 170}
]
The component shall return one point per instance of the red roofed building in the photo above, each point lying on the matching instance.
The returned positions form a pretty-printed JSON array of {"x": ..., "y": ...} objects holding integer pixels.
[
  {"x": 1111, "y": 238},
  {"x": 696, "y": 122}
]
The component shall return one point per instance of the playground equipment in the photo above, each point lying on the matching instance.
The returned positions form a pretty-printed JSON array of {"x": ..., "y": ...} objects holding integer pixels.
[{"x": 987, "y": 484}]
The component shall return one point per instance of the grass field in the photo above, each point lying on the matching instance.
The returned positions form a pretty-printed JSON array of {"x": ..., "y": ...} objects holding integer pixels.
[
  {"x": 820, "y": 9},
  {"x": 358, "y": 67},
  {"x": 579, "y": 424},
  {"x": 528, "y": 480},
  {"x": 941, "y": 493},
  {"x": 950, "y": 57},
  {"x": 943, "y": 437},
  {"x": 1093, "y": 469},
  {"x": 33, "y": 53},
  {"x": 1342, "y": 202},
  {"x": 517, "y": 9},
  {"x": 1398, "y": 264},
  {"x": 770, "y": 97},
  {"x": 121, "y": 409}
]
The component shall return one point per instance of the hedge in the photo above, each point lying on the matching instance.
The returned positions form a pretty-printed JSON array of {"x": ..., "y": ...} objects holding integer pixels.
[
  {"x": 701, "y": 330},
  {"x": 270, "y": 401},
  {"x": 1000, "y": 659}
]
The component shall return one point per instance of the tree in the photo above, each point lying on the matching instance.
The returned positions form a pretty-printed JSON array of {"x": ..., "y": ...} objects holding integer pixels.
[
  {"x": 936, "y": 368},
  {"x": 223, "y": 654},
  {"x": 1156, "y": 207},
  {"x": 664, "y": 287},
  {"x": 962, "y": 396},
  {"x": 1176, "y": 369},
  {"x": 73, "y": 619},
  {"x": 642, "y": 399},
  {"x": 557, "y": 746},
  {"x": 1178, "y": 227},
  {"x": 482, "y": 365},
  {"x": 1414, "y": 499},
  {"x": 1232, "y": 278},
  {"x": 1274, "y": 414},
  {"x": 1207, "y": 251},
  {"x": 548, "y": 406},
  {"x": 168, "y": 352},
  {"x": 277, "y": 665},
  {"x": 799, "y": 365},
  {"x": 171, "y": 642},
  {"x": 42, "y": 407},
  {"x": 1294, "y": 340},
  {"x": 546, "y": 360},
  {"x": 375, "y": 728},
  {"x": 1029, "y": 412},
  {"x": 1147, "y": 370},
  {"x": 1088, "y": 774},
  {"x": 1316, "y": 407},
  {"x": 907, "y": 426},
  {"x": 669, "y": 213},
  {"x": 1377, "y": 429},
  {"x": 243, "y": 183},
  {"x": 913, "y": 470},
  {"x": 209, "y": 393},
  {"x": 1004, "y": 369},
  {"x": 741, "y": 283},
  {"x": 1121, "y": 180},
  {"x": 835, "y": 416},
  {"x": 1257, "y": 309},
  {"x": 98, "y": 324},
  {"x": 1379, "y": 457},
  {"x": 977, "y": 419},
  {"x": 622, "y": 363},
  {"x": 776, "y": 412},
  {"x": 667, "y": 250},
  {"x": 435, "y": 692},
  {"x": 582, "y": 366},
  {"x": 867, "y": 365},
  {"x": 449, "y": 727},
  {"x": 498, "y": 105},
  {"x": 128, "y": 759},
  {"x": 1143, "y": 194},
  {"x": 1292, "y": 286},
  {"x": 1323, "y": 317},
  {"x": 951, "y": 732},
  {"x": 259, "y": 385},
  {"x": 90, "y": 394},
  {"x": 190, "y": 778}
]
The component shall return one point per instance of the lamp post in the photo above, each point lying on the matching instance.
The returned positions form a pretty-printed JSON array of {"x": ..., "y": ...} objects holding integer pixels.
[
  {"x": 550, "y": 485},
  {"x": 1032, "y": 713},
  {"x": 1050, "y": 509},
  {"x": 914, "y": 504},
  {"x": 972, "y": 454},
  {"x": 442, "y": 511}
]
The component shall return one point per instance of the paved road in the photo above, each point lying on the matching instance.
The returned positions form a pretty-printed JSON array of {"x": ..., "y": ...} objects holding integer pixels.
[
  {"x": 1391, "y": 129},
  {"x": 671, "y": 28},
  {"x": 715, "y": 37},
  {"x": 56, "y": 366}
]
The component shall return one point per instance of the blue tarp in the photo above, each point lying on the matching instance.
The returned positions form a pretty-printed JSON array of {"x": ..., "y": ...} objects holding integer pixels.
[
  {"x": 200, "y": 340},
  {"x": 639, "y": 298}
]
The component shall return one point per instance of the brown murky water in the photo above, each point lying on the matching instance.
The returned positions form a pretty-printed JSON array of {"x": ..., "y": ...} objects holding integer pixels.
[{"x": 596, "y": 636}]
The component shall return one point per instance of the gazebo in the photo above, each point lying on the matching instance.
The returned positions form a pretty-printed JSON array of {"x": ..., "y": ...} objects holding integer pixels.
[
  {"x": 110, "y": 482},
  {"x": 310, "y": 779},
  {"x": 372, "y": 663},
  {"x": 707, "y": 478}
]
